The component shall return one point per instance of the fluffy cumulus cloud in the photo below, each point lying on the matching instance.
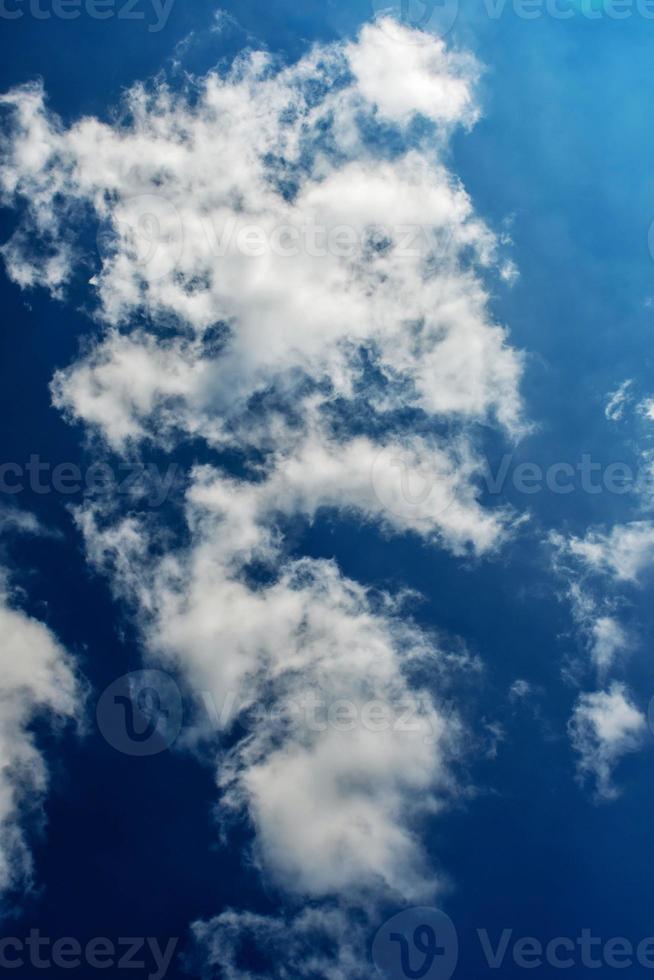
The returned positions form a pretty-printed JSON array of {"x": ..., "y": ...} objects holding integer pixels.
[
  {"x": 604, "y": 727},
  {"x": 272, "y": 223},
  {"x": 287, "y": 272},
  {"x": 38, "y": 681},
  {"x": 338, "y": 777}
]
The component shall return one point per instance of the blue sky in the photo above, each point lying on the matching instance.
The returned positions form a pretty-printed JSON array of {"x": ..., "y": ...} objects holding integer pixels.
[{"x": 553, "y": 149}]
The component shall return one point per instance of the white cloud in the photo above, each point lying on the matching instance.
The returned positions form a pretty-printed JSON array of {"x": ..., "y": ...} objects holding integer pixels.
[
  {"x": 646, "y": 408},
  {"x": 37, "y": 681},
  {"x": 415, "y": 485},
  {"x": 623, "y": 553},
  {"x": 354, "y": 378},
  {"x": 173, "y": 224},
  {"x": 402, "y": 79},
  {"x": 605, "y": 725},
  {"x": 124, "y": 383},
  {"x": 12, "y": 518},
  {"x": 336, "y": 812},
  {"x": 520, "y": 689},
  {"x": 580, "y": 561},
  {"x": 296, "y": 324},
  {"x": 609, "y": 639},
  {"x": 604, "y": 636},
  {"x": 618, "y": 401}
]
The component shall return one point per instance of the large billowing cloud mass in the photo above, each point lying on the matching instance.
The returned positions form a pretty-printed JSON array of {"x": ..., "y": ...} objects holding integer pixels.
[{"x": 289, "y": 272}]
